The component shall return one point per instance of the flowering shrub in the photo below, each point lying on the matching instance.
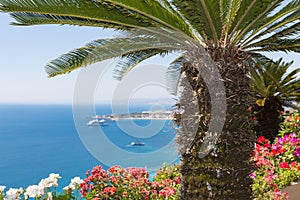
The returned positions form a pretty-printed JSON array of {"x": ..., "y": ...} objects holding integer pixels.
[
  {"x": 278, "y": 164},
  {"x": 291, "y": 124},
  {"x": 46, "y": 189},
  {"x": 168, "y": 172},
  {"x": 126, "y": 184}
]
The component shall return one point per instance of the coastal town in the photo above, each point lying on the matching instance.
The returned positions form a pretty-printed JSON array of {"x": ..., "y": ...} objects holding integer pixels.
[{"x": 159, "y": 114}]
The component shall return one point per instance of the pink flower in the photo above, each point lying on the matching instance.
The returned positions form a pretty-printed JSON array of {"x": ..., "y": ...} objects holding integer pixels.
[
  {"x": 167, "y": 192},
  {"x": 252, "y": 175},
  {"x": 293, "y": 164},
  {"x": 110, "y": 190}
]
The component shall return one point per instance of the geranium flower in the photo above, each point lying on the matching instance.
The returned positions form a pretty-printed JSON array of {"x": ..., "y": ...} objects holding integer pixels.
[
  {"x": 34, "y": 191},
  {"x": 13, "y": 194},
  {"x": 262, "y": 140},
  {"x": 297, "y": 152},
  {"x": 2, "y": 188},
  {"x": 284, "y": 165}
]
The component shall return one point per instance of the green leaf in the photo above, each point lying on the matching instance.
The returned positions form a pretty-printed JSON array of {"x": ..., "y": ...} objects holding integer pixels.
[
  {"x": 173, "y": 75},
  {"x": 131, "y": 60},
  {"x": 89, "y": 10},
  {"x": 154, "y": 11},
  {"x": 261, "y": 102},
  {"x": 278, "y": 20},
  {"x": 259, "y": 12},
  {"x": 204, "y": 16},
  {"x": 132, "y": 43}
]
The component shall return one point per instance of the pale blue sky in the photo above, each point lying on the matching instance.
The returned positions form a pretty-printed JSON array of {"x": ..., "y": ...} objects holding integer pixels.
[{"x": 25, "y": 51}]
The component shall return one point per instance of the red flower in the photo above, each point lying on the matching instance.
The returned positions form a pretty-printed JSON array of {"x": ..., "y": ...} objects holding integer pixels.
[
  {"x": 299, "y": 168},
  {"x": 261, "y": 139},
  {"x": 284, "y": 165},
  {"x": 267, "y": 145},
  {"x": 254, "y": 118},
  {"x": 280, "y": 151},
  {"x": 249, "y": 109},
  {"x": 273, "y": 152}
]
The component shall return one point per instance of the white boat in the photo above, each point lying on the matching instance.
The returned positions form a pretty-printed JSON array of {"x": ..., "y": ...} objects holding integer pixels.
[
  {"x": 93, "y": 122},
  {"x": 96, "y": 122},
  {"x": 137, "y": 143},
  {"x": 103, "y": 122}
]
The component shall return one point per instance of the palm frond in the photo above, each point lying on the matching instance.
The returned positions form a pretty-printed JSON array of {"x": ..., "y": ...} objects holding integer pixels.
[
  {"x": 271, "y": 79},
  {"x": 291, "y": 76},
  {"x": 204, "y": 16},
  {"x": 291, "y": 104},
  {"x": 128, "y": 61},
  {"x": 245, "y": 7},
  {"x": 28, "y": 19},
  {"x": 233, "y": 9},
  {"x": 91, "y": 10},
  {"x": 262, "y": 10},
  {"x": 258, "y": 84},
  {"x": 151, "y": 41},
  {"x": 284, "y": 45},
  {"x": 120, "y": 13},
  {"x": 278, "y": 20},
  {"x": 173, "y": 75},
  {"x": 154, "y": 11},
  {"x": 280, "y": 41},
  {"x": 224, "y": 10}
]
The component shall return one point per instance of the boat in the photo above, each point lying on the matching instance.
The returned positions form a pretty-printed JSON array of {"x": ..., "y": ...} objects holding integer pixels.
[
  {"x": 138, "y": 143},
  {"x": 96, "y": 122},
  {"x": 93, "y": 122},
  {"x": 103, "y": 122}
]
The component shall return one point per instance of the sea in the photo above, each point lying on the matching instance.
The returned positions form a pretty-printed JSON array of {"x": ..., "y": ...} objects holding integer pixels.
[{"x": 36, "y": 140}]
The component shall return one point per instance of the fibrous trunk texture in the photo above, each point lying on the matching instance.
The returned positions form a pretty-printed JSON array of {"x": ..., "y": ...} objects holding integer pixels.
[
  {"x": 267, "y": 118},
  {"x": 224, "y": 172}
]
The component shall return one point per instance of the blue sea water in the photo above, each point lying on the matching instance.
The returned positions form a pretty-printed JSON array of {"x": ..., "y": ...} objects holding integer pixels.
[{"x": 36, "y": 140}]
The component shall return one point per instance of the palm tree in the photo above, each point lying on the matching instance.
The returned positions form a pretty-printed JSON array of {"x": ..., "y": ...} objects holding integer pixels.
[
  {"x": 232, "y": 32},
  {"x": 274, "y": 88}
]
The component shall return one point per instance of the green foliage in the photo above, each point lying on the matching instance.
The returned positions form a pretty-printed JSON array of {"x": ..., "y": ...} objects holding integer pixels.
[
  {"x": 272, "y": 79},
  {"x": 168, "y": 172},
  {"x": 64, "y": 197}
]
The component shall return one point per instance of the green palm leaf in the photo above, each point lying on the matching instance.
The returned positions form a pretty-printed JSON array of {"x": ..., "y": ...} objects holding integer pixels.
[
  {"x": 271, "y": 79},
  {"x": 103, "y": 49},
  {"x": 128, "y": 61},
  {"x": 260, "y": 11},
  {"x": 91, "y": 10},
  {"x": 133, "y": 46},
  {"x": 154, "y": 11},
  {"x": 27, "y": 19},
  {"x": 204, "y": 16},
  {"x": 173, "y": 75},
  {"x": 286, "y": 15}
]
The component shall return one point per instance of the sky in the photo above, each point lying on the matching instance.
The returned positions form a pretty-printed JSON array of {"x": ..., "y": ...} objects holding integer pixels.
[{"x": 24, "y": 52}]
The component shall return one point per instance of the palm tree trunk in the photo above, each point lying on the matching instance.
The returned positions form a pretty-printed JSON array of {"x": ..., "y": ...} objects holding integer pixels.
[
  {"x": 224, "y": 173},
  {"x": 267, "y": 118}
]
